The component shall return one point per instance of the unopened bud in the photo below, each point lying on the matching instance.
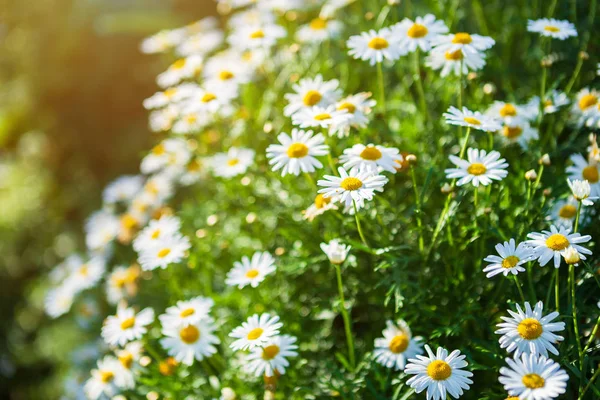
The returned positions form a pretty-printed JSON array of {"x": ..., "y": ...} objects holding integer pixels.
[
  {"x": 531, "y": 175},
  {"x": 446, "y": 189},
  {"x": 584, "y": 55},
  {"x": 545, "y": 160},
  {"x": 571, "y": 256},
  {"x": 547, "y": 192},
  {"x": 227, "y": 393},
  {"x": 546, "y": 62},
  {"x": 393, "y": 2},
  {"x": 411, "y": 159}
]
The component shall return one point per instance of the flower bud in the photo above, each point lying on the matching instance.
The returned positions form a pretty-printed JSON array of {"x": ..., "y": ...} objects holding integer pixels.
[
  {"x": 411, "y": 159},
  {"x": 547, "y": 192},
  {"x": 571, "y": 256},
  {"x": 545, "y": 160},
  {"x": 446, "y": 189},
  {"x": 335, "y": 251},
  {"x": 531, "y": 175}
]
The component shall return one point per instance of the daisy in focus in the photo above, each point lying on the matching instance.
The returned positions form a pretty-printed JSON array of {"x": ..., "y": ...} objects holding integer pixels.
[
  {"x": 581, "y": 191},
  {"x": 351, "y": 187},
  {"x": 397, "y": 345},
  {"x": 419, "y": 33},
  {"x": 187, "y": 312},
  {"x": 126, "y": 325},
  {"x": 271, "y": 359},
  {"x": 358, "y": 106},
  {"x": 510, "y": 259},
  {"x": 554, "y": 28},
  {"x": 318, "y": 207},
  {"x": 551, "y": 245},
  {"x": 479, "y": 168},
  {"x": 529, "y": 331},
  {"x": 257, "y": 331},
  {"x": 471, "y": 119},
  {"x": 375, "y": 46},
  {"x": 439, "y": 373},
  {"x": 297, "y": 153},
  {"x": 533, "y": 377},
  {"x": 189, "y": 342},
  {"x": 372, "y": 158},
  {"x": 235, "y": 162},
  {"x": 251, "y": 271},
  {"x": 311, "y": 92}
]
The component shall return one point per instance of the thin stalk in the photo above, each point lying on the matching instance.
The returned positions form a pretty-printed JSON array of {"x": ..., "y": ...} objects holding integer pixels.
[
  {"x": 418, "y": 209},
  {"x": 581, "y": 393},
  {"x": 360, "y": 232},
  {"x": 574, "y": 304},
  {"x": 592, "y": 336},
  {"x": 381, "y": 88},
  {"x": 518, "y": 284},
  {"x": 310, "y": 180},
  {"x": 419, "y": 83},
  {"x": 345, "y": 316},
  {"x": 556, "y": 290}
]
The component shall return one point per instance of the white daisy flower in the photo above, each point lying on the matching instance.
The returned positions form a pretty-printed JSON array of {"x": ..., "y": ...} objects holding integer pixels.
[
  {"x": 192, "y": 341},
  {"x": 529, "y": 332},
  {"x": 106, "y": 380},
  {"x": 554, "y": 28},
  {"x": 170, "y": 250},
  {"x": 553, "y": 102},
  {"x": 330, "y": 7},
  {"x": 235, "y": 162},
  {"x": 439, "y": 373},
  {"x": 508, "y": 112},
  {"x": 201, "y": 43},
  {"x": 375, "y": 46},
  {"x": 170, "y": 96},
  {"x": 356, "y": 185},
  {"x": 170, "y": 154},
  {"x": 86, "y": 274},
  {"x": 584, "y": 170},
  {"x": 59, "y": 300},
  {"x": 471, "y": 119},
  {"x": 251, "y": 271},
  {"x": 187, "y": 312},
  {"x": 549, "y": 245},
  {"x": 126, "y": 325},
  {"x": 510, "y": 260},
  {"x": 452, "y": 61},
  {"x": 564, "y": 212},
  {"x": 581, "y": 191},
  {"x": 192, "y": 122},
  {"x": 184, "y": 68},
  {"x": 336, "y": 251},
  {"x": 533, "y": 377},
  {"x": 256, "y": 331},
  {"x": 479, "y": 168},
  {"x": 163, "y": 120},
  {"x": 358, "y": 106},
  {"x": 371, "y": 157},
  {"x": 162, "y": 41},
  {"x": 418, "y": 33},
  {"x": 319, "y": 30},
  {"x": 157, "y": 231},
  {"x": 518, "y": 131},
  {"x": 227, "y": 68},
  {"x": 397, "y": 345},
  {"x": 213, "y": 97},
  {"x": 101, "y": 228},
  {"x": 129, "y": 357},
  {"x": 271, "y": 359},
  {"x": 312, "y": 92},
  {"x": 318, "y": 207},
  {"x": 254, "y": 36},
  {"x": 470, "y": 44},
  {"x": 121, "y": 283},
  {"x": 297, "y": 153},
  {"x": 585, "y": 106},
  {"x": 321, "y": 117},
  {"x": 122, "y": 189}
]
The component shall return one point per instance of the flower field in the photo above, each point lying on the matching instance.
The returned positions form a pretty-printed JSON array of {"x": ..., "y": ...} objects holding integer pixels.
[{"x": 346, "y": 199}]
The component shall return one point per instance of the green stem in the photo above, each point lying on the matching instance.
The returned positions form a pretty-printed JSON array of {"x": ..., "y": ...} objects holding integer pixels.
[
  {"x": 360, "y": 232},
  {"x": 310, "y": 180},
  {"x": 581, "y": 393},
  {"x": 556, "y": 290},
  {"x": 345, "y": 316},
  {"x": 518, "y": 284},
  {"x": 418, "y": 209},
  {"x": 381, "y": 88},
  {"x": 576, "y": 226},
  {"x": 592, "y": 336},
  {"x": 574, "y": 305},
  {"x": 419, "y": 82}
]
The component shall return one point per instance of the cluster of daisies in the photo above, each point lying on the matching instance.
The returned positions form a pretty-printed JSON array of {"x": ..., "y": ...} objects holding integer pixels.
[{"x": 207, "y": 91}]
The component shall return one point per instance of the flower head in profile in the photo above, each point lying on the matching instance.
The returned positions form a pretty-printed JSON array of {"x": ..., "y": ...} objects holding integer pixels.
[
  {"x": 471, "y": 119},
  {"x": 328, "y": 117},
  {"x": 419, "y": 33},
  {"x": 251, "y": 271},
  {"x": 509, "y": 260},
  {"x": 375, "y": 46},
  {"x": 533, "y": 377},
  {"x": 454, "y": 62},
  {"x": 470, "y": 44},
  {"x": 397, "y": 345},
  {"x": 126, "y": 325},
  {"x": 439, "y": 373},
  {"x": 554, "y": 28},
  {"x": 479, "y": 168},
  {"x": 271, "y": 358},
  {"x": 257, "y": 331},
  {"x": 357, "y": 185},
  {"x": 529, "y": 331},
  {"x": 318, "y": 207},
  {"x": 336, "y": 251},
  {"x": 297, "y": 153},
  {"x": 581, "y": 191},
  {"x": 551, "y": 245}
]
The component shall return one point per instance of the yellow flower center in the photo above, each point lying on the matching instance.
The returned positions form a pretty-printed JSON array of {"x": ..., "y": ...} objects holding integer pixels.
[
  {"x": 454, "y": 55},
  {"x": 378, "y": 43},
  {"x": 158, "y": 150},
  {"x": 476, "y": 169},
  {"x": 399, "y": 343},
  {"x": 226, "y": 75},
  {"x": 512, "y": 132},
  {"x": 510, "y": 262},
  {"x": 194, "y": 166},
  {"x": 322, "y": 117},
  {"x": 254, "y": 334},
  {"x": 155, "y": 234},
  {"x": 84, "y": 270},
  {"x": 417, "y": 31},
  {"x": 126, "y": 360},
  {"x": 252, "y": 273},
  {"x": 508, "y": 110},
  {"x": 128, "y": 323},
  {"x": 321, "y": 201},
  {"x": 568, "y": 211},
  {"x": 208, "y": 97},
  {"x": 548, "y": 103},
  {"x": 106, "y": 376},
  {"x": 590, "y": 173},
  {"x": 370, "y": 153},
  {"x": 557, "y": 242},
  {"x": 472, "y": 120},
  {"x": 533, "y": 381},
  {"x": 439, "y": 370},
  {"x": 169, "y": 93},
  {"x": 179, "y": 64},
  {"x": 270, "y": 352},
  {"x": 162, "y": 253},
  {"x": 187, "y": 312},
  {"x": 311, "y": 98},
  {"x": 530, "y": 329},
  {"x": 462, "y": 38},
  {"x": 587, "y": 101},
  {"x": 190, "y": 334},
  {"x": 191, "y": 118},
  {"x": 259, "y": 34},
  {"x": 551, "y": 28},
  {"x": 512, "y": 398},
  {"x": 318, "y": 24},
  {"x": 297, "y": 150},
  {"x": 351, "y": 183},
  {"x": 348, "y": 107}
]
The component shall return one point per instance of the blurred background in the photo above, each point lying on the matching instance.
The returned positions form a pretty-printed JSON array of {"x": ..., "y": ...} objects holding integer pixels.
[{"x": 72, "y": 81}]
